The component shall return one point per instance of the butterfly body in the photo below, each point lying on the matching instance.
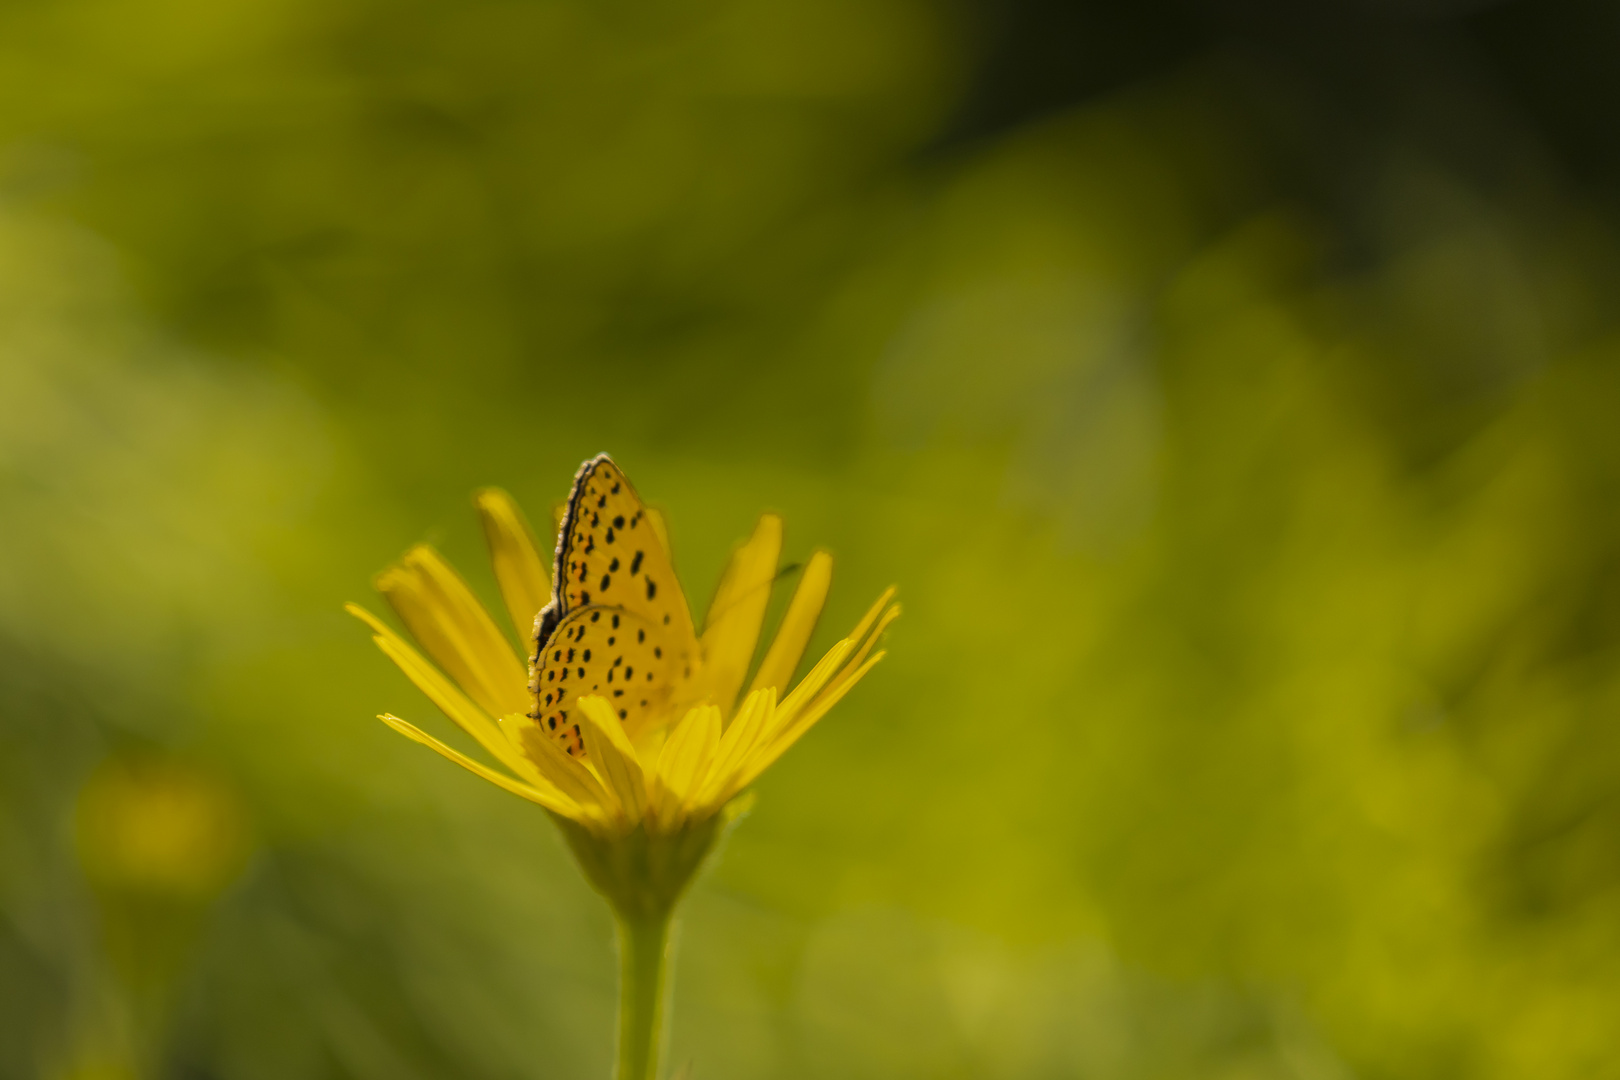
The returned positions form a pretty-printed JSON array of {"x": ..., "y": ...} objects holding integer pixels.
[{"x": 617, "y": 624}]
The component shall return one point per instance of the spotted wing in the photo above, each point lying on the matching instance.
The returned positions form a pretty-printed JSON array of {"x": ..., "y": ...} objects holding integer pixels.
[
  {"x": 609, "y": 553},
  {"x": 609, "y": 652}
]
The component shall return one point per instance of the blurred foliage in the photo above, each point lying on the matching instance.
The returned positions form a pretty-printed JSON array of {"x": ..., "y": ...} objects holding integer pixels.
[{"x": 1231, "y": 393}]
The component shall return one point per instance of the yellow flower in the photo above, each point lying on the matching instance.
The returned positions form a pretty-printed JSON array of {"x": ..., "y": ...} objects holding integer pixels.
[
  {"x": 624, "y": 722},
  {"x": 668, "y": 772}
]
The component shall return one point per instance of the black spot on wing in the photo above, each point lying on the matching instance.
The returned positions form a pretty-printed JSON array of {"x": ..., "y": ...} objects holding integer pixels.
[{"x": 594, "y": 660}]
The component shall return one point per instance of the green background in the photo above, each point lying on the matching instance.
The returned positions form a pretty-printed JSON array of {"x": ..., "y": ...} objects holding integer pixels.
[{"x": 1231, "y": 388}]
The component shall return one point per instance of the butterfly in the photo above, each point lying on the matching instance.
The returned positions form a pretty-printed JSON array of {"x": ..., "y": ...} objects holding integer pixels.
[{"x": 617, "y": 625}]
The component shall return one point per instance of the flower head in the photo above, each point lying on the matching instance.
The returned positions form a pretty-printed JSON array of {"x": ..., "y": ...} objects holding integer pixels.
[
  {"x": 625, "y": 722},
  {"x": 626, "y": 718}
]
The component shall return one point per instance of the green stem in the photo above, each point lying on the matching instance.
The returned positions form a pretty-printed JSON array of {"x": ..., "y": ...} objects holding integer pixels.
[{"x": 644, "y": 954}]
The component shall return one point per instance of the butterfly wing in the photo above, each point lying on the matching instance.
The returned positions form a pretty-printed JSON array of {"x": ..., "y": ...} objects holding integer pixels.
[
  {"x": 607, "y": 651},
  {"x": 609, "y": 553},
  {"x": 617, "y": 624}
]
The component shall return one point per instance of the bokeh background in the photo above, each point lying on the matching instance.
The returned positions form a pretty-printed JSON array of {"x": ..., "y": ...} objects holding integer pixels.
[{"x": 1232, "y": 386}]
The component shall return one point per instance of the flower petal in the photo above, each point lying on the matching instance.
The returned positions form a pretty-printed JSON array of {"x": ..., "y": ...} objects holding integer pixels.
[
  {"x": 739, "y": 741},
  {"x": 776, "y": 670},
  {"x": 843, "y": 666},
  {"x": 467, "y": 716},
  {"x": 769, "y": 750},
  {"x": 551, "y": 800},
  {"x": 522, "y": 573},
  {"x": 684, "y": 760},
  {"x": 809, "y": 686},
  {"x": 568, "y": 773},
  {"x": 872, "y": 614},
  {"x": 615, "y": 759},
  {"x": 731, "y": 630},
  {"x": 456, "y": 631},
  {"x": 855, "y": 661}
]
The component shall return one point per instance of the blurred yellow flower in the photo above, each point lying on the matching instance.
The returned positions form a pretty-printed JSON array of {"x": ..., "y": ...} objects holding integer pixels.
[
  {"x": 159, "y": 827},
  {"x": 664, "y": 769},
  {"x": 159, "y": 838}
]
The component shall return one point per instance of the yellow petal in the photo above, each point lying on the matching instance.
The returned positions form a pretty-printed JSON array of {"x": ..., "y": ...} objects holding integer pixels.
[
  {"x": 688, "y": 749},
  {"x": 456, "y": 631},
  {"x": 467, "y": 716},
  {"x": 568, "y": 773},
  {"x": 854, "y": 662},
  {"x": 776, "y": 670},
  {"x": 519, "y": 567},
  {"x": 649, "y": 740},
  {"x": 615, "y": 759},
  {"x": 809, "y": 686},
  {"x": 842, "y": 667},
  {"x": 731, "y": 630},
  {"x": 872, "y": 614},
  {"x": 771, "y": 749},
  {"x": 551, "y": 800},
  {"x": 739, "y": 741}
]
